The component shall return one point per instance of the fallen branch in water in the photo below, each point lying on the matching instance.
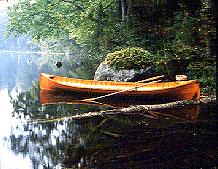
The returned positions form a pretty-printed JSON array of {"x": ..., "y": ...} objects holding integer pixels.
[
  {"x": 208, "y": 99},
  {"x": 148, "y": 111},
  {"x": 113, "y": 112},
  {"x": 159, "y": 106},
  {"x": 143, "y": 110}
]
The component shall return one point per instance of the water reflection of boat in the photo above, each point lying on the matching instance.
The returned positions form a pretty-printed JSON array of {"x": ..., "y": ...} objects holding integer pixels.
[
  {"x": 187, "y": 112},
  {"x": 161, "y": 91},
  {"x": 49, "y": 97}
]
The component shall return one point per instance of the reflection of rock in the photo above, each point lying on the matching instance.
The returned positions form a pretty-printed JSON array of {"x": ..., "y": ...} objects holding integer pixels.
[
  {"x": 58, "y": 64},
  {"x": 106, "y": 72}
]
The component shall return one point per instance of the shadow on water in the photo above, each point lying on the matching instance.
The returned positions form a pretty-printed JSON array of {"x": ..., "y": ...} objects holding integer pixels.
[{"x": 184, "y": 138}]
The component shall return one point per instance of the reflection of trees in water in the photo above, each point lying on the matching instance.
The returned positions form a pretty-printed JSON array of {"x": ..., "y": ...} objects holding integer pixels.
[
  {"x": 47, "y": 143},
  {"x": 111, "y": 141},
  {"x": 120, "y": 142}
]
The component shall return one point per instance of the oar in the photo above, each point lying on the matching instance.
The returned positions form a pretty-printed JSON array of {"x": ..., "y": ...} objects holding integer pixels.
[
  {"x": 150, "y": 79},
  {"x": 91, "y": 102},
  {"x": 125, "y": 90}
]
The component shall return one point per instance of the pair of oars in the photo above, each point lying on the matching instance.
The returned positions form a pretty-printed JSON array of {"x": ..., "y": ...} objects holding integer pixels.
[{"x": 141, "y": 84}]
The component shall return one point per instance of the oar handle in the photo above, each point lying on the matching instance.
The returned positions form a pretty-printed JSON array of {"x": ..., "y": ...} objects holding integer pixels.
[{"x": 150, "y": 79}]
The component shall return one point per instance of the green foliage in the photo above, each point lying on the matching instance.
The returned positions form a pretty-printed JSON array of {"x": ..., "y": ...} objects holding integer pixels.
[
  {"x": 41, "y": 19},
  {"x": 188, "y": 39},
  {"x": 130, "y": 58},
  {"x": 175, "y": 31},
  {"x": 206, "y": 74}
]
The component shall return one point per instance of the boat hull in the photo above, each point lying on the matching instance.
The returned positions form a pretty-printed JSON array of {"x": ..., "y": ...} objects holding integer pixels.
[{"x": 189, "y": 90}]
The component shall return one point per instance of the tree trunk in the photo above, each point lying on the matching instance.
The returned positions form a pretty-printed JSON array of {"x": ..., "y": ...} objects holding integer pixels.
[
  {"x": 119, "y": 9},
  {"x": 146, "y": 110},
  {"x": 124, "y": 9}
]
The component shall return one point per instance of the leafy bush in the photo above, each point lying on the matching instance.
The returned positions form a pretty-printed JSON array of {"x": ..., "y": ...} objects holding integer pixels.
[
  {"x": 206, "y": 75},
  {"x": 130, "y": 58}
]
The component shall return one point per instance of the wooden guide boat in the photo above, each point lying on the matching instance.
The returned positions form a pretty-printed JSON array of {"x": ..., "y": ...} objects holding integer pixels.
[{"x": 160, "y": 91}]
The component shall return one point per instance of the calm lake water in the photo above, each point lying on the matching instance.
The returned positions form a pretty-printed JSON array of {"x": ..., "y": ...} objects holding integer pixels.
[{"x": 36, "y": 136}]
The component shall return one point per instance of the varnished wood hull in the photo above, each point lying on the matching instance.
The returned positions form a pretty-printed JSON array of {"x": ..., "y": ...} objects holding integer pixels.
[{"x": 162, "y": 92}]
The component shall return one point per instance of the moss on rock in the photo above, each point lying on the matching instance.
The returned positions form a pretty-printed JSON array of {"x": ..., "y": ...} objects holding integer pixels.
[{"x": 130, "y": 58}]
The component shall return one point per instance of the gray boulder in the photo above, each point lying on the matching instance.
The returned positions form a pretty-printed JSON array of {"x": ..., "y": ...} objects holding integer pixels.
[{"x": 108, "y": 73}]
